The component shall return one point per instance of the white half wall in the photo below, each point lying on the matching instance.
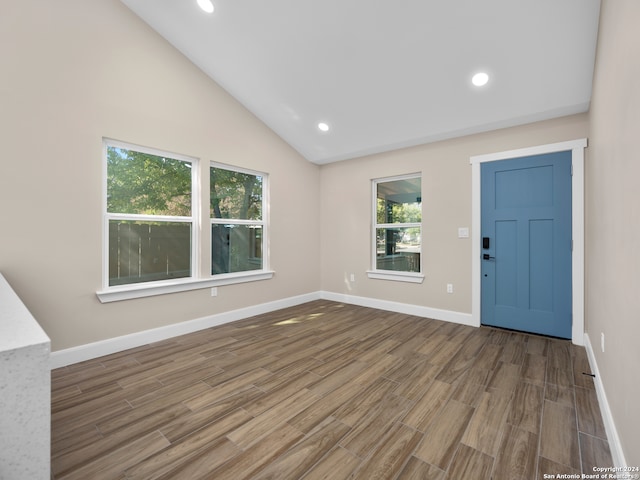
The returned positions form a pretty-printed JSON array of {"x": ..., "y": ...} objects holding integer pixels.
[{"x": 25, "y": 391}]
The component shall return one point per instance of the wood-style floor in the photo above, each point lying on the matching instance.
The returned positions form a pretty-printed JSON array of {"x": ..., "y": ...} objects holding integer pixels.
[{"x": 330, "y": 391}]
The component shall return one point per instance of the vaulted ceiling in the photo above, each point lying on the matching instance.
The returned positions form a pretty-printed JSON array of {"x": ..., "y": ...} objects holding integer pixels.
[{"x": 384, "y": 75}]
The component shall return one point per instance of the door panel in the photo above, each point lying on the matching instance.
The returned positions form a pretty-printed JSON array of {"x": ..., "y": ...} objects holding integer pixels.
[
  {"x": 541, "y": 265},
  {"x": 506, "y": 270},
  {"x": 526, "y": 271}
]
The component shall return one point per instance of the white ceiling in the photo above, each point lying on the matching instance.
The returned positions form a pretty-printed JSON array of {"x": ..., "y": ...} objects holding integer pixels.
[{"x": 384, "y": 74}]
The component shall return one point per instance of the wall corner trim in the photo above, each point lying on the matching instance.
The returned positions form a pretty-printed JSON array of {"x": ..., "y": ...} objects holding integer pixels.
[{"x": 617, "y": 454}]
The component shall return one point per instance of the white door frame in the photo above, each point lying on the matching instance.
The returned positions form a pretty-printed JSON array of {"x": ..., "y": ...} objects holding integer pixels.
[{"x": 577, "y": 225}]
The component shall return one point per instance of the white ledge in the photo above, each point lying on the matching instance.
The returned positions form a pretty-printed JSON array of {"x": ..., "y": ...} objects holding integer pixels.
[
  {"x": 395, "y": 276},
  {"x": 25, "y": 391},
  {"x": 139, "y": 290}
]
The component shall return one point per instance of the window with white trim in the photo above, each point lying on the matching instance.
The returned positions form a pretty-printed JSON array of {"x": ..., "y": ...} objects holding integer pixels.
[
  {"x": 397, "y": 232},
  {"x": 154, "y": 242},
  {"x": 237, "y": 214},
  {"x": 151, "y": 213}
]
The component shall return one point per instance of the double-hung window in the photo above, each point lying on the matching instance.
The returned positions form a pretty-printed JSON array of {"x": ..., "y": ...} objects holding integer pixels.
[
  {"x": 397, "y": 229},
  {"x": 154, "y": 240},
  {"x": 237, "y": 215},
  {"x": 151, "y": 213}
]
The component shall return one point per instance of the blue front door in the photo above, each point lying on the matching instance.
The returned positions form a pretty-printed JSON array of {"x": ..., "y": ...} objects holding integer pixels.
[{"x": 526, "y": 244}]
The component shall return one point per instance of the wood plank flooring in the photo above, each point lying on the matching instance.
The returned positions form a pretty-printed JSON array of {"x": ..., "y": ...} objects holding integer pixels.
[{"x": 326, "y": 390}]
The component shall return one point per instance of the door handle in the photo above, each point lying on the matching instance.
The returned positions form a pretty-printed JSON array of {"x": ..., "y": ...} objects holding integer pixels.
[{"x": 486, "y": 256}]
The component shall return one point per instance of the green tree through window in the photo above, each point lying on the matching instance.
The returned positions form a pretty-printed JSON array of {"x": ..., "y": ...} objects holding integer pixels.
[
  {"x": 149, "y": 215},
  {"x": 398, "y": 224},
  {"x": 153, "y": 225},
  {"x": 141, "y": 183},
  {"x": 237, "y": 222}
]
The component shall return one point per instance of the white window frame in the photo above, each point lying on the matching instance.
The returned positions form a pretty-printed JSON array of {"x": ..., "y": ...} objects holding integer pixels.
[
  {"x": 200, "y": 240},
  {"x": 250, "y": 275},
  {"x": 393, "y": 275}
]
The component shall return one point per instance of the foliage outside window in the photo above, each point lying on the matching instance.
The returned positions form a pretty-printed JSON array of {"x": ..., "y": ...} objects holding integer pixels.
[
  {"x": 237, "y": 220},
  {"x": 149, "y": 215},
  {"x": 398, "y": 224}
]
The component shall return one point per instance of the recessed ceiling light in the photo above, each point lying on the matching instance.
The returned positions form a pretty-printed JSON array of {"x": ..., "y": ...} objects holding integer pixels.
[
  {"x": 206, "y": 5},
  {"x": 323, "y": 127},
  {"x": 480, "y": 79}
]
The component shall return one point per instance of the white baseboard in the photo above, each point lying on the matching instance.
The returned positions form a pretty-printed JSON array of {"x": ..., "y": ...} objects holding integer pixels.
[
  {"x": 417, "y": 310},
  {"x": 62, "y": 358},
  {"x": 89, "y": 351},
  {"x": 615, "y": 446}
]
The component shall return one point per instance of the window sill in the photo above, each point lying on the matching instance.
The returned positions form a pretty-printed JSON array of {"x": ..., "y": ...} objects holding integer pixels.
[
  {"x": 138, "y": 290},
  {"x": 409, "y": 277}
]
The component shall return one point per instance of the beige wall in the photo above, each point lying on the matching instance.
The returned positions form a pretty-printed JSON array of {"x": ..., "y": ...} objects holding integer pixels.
[
  {"x": 446, "y": 203},
  {"x": 613, "y": 217},
  {"x": 75, "y": 72}
]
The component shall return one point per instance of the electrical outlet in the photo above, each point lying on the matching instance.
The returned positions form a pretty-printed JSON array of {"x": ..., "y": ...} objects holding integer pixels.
[
  {"x": 214, "y": 291},
  {"x": 449, "y": 287},
  {"x": 353, "y": 277},
  {"x": 463, "y": 232},
  {"x": 602, "y": 341}
]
